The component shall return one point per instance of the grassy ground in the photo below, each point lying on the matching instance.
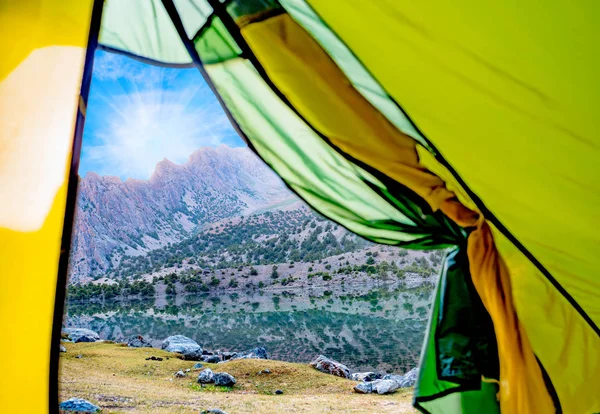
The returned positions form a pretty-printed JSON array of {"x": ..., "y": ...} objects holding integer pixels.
[{"x": 117, "y": 379}]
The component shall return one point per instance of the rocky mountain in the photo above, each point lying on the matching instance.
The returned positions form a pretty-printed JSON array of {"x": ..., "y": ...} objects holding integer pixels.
[{"x": 116, "y": 218}]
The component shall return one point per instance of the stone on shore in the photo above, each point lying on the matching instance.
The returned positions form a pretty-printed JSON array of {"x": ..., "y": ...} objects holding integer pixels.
[
  {"x": 63, "y": 349},
  {"x": 227, "y": 355},
  {"x": 364, "y": 388},
  {"x": 184, "y": 346},
  {"x": 218, "y": 378},
  {"x": 256, "y": 353},
  {"x": 206, "y": 376},
  {"x": 224, "y": 379},
  {"x": 180, "y": 374},
  {"x": 385, "y": 386},
  {"x": 213, "y": 411},
  {"x": 329, "y": 366},
  {"x": 365, "y": 376},
  {"x": 138, "y": 341},
  {"x": 380, "y": 386},
  {"x": 78, "y": 405},
  {"x": 388, "y": 384},
  {"x": 407, "y": 380},
  {"x": 81, "y": 335},
  {"x": 210, "y": 359}
]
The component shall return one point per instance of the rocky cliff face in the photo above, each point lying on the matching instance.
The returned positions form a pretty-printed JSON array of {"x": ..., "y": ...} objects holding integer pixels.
[{"x": 116, "y": 218}]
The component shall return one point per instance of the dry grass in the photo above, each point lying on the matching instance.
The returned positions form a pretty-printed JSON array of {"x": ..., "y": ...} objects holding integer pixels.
[{"x": 118, "y": 379}]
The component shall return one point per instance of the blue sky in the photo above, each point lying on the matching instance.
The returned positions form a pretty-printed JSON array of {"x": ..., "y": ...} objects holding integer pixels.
[{"x": 138, "y": 114}]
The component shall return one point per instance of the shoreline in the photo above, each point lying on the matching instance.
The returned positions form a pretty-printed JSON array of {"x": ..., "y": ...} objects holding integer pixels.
[
  {"x": 333, "y": 287},
  {"x": 118, "y": 378}
]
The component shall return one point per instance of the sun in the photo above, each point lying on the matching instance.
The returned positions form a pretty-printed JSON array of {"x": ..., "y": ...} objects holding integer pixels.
[{"x": 145, "y": 114}]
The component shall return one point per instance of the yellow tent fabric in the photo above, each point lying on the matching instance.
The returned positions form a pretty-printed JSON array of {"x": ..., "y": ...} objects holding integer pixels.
[
  {"x": 42, "y": 44},
  {"x": 486, "y": 83},
  {"x": 320, "y": 92},
  {"x": 495, "y": 88},
  {"x": 575, "y": 381}
]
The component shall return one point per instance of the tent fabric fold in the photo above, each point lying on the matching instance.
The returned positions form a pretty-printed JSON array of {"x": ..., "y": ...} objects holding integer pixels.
[{"x": 462, "y": 126}]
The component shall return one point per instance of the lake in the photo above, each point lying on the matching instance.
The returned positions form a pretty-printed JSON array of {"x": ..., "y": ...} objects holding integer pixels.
[{"x": 377, "y": 328}]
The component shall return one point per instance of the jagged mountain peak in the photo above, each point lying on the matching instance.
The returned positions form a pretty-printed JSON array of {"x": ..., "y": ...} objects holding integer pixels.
[{"x": 116, "y": 218}]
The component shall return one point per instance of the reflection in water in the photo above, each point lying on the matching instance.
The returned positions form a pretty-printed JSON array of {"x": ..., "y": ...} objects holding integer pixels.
[{"x": 380, "y": 329}]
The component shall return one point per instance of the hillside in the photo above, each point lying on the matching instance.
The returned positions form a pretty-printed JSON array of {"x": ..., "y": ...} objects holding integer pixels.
[
  {"x": 221, "y": 221},
  {"x": 116, "y": 218},
  {"x": 283, "y": 247}
]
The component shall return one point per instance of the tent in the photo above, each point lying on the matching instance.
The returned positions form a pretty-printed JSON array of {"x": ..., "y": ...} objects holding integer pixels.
[{"x": 464, "y": 125}]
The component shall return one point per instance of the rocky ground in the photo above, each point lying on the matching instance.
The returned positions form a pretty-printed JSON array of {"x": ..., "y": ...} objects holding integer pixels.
[{"x": 118, "y": 378}]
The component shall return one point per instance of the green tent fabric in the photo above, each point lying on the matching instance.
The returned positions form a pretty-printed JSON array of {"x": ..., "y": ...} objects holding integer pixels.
[
  {"x": 477, "y": 133},
  {"x": 142, "y": 28}
]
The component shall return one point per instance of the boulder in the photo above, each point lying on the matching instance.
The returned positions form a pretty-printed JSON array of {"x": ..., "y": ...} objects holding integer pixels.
[
  {"x": 227, "y": 355},
  {"x": 407, "y": 380},
  {"x": 63, "y": 349},
  {"x": 397, "y": 378},
  {"x": 256, "y": 353},
  {"x": 329, "y": 366},
  {"x": 210, "y": 359},
  {"x": 198, "y": 365},
  {"x": 365, "y": 376},
  {"x": 410, "y": 378},
  {"x": 184, "y": 346},
  {"x": 180, "y": 374},
  {"x": 278, "y": 392},
  {"x": 78, "y": 405},
  {"x": 384, "y": 386},
  {"x": 364, "y": 388},
  {"x": 380, "y": 386},
  {"x": 138, "y": 341},
  {"x": 224, "y": 379},
  {"x": 81, "y": 335},
  {"x": 213, "y": 411},
  {"x": 206, "y": 376},
  {"x": 154, "y": 358}
]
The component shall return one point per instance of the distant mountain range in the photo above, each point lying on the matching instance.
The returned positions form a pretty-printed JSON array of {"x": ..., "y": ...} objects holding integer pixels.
[{"x": 131, "y": 218}]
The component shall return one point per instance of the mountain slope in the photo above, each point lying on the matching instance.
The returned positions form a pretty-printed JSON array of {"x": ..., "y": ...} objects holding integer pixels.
[{"x": 116, "y": 218}]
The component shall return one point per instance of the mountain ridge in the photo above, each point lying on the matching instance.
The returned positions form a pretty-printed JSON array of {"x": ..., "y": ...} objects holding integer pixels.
[{"x": 116, "y": 218}]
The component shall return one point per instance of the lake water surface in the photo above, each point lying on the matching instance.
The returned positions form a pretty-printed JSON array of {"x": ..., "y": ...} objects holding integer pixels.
[{"x": 376, "y": 328}]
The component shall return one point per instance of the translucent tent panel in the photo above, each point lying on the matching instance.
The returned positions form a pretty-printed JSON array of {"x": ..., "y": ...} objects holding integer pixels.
[
  {"x": 193, "y": 13},
  {"x": 215, "y": 44},
  {"x": 497, "y": 106},
  {"x": 142, "y": 28},
  {"x": 362, "y": 80},
  {"x": 331, "y": 184}
]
